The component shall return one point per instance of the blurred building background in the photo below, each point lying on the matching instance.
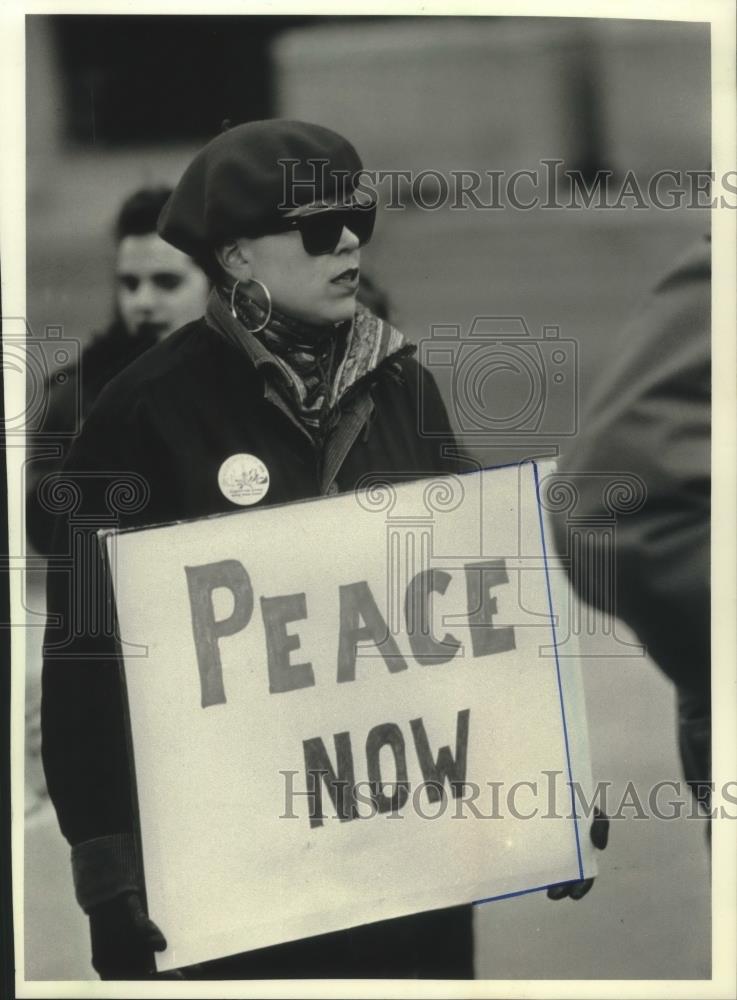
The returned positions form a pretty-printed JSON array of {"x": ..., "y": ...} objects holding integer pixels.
[{"x": 117, "y": 102}]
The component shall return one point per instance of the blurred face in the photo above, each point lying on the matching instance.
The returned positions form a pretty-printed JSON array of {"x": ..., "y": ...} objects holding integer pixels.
[
  {"x": 158, "y": 288},
  {"x": 317, "y": 289}
]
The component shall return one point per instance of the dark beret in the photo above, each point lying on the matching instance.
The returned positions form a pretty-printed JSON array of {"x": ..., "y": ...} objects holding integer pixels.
[{"x": 237, "y": 183}]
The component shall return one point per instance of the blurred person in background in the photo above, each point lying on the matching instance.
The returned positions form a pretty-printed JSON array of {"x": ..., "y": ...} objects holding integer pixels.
[
  {"x": 287, "y": 367},
  {"x": 157, "y": 290},
  {"x": 649, "y": 415}
]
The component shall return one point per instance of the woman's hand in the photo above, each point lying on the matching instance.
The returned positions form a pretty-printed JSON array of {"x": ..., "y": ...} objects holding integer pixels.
[
  {"x": 124, "y": 940},
  {"x": 599, "y": 837}
]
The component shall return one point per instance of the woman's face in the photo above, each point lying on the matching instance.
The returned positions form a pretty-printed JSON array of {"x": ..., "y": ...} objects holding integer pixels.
[
  {"x": 319, "y": 290},
  {"x": 158, "y": 288}
]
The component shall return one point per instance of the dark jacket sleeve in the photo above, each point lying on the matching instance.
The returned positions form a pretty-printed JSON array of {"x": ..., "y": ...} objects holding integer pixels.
[
  {"x": 84, "y": 741},
  {"x": 650, "y": 419}
]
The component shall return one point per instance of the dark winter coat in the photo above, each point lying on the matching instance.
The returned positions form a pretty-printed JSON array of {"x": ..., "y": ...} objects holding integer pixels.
[{"x": 649, "y": 417}]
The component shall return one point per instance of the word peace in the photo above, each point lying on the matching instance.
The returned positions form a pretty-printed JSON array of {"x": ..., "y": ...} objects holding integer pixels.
[{"x": 360, "y": 621}]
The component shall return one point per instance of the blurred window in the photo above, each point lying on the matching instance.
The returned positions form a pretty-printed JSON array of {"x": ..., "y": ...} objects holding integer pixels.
[{"x": 133, "y": 79}]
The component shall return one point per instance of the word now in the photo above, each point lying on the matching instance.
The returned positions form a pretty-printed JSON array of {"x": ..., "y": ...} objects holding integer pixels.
[
  {"x": 340, "y": 779},
  {"x": 360, "y": 620}
]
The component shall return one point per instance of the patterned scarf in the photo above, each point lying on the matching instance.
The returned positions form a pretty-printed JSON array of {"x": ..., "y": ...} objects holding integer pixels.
[{"x": 318, "y": 365}]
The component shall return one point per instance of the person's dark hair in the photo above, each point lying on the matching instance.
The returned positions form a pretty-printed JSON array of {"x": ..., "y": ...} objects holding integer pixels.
[{"x": 140, "y": 212}]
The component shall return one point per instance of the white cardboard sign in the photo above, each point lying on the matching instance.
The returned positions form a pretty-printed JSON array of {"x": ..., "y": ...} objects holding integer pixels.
[{"x": 402, "y": 643}]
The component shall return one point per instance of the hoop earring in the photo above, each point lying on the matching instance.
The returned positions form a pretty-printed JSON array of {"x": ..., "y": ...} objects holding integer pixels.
[{"x": 267, "y": 295}]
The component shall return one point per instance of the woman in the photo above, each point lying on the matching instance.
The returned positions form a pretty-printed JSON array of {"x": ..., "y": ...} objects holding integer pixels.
[
  {"x": 286, "y": 370},
  {"x": 284, "y": 367}
]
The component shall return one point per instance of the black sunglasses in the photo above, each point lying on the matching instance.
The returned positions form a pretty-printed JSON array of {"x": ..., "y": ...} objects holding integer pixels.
[{"x": 321, "y": 230}]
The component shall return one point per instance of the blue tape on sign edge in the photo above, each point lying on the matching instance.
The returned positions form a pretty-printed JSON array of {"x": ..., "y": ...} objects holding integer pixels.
[
  {"x": 557, "y": 671},
  {"x": 549, "y": 885},
  {"x": 519, "y": 892}
]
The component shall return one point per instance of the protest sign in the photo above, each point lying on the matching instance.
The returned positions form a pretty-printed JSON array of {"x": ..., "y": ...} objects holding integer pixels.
[{"x": 350, "y": 709}]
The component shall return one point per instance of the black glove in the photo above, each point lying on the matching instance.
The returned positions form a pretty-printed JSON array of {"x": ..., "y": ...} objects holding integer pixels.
[
  {"x": 124, "y": 939},
  {"x": 599, "y": 838}
]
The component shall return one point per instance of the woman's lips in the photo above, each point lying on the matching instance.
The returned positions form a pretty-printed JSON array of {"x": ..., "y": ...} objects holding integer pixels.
[{"x": 349, "y": 278}]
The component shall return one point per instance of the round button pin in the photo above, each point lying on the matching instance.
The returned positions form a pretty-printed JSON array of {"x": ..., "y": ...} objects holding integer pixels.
[{"x": 243, "y": 479}]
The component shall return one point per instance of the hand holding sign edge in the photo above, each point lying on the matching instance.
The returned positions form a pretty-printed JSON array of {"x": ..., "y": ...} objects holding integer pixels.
[{"x": 599, "y": 834}]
